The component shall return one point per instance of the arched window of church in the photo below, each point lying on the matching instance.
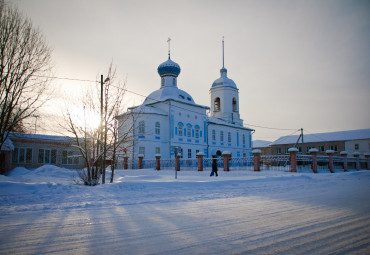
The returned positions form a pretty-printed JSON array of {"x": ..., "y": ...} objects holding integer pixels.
[
  {"x": 222, "y": 136},
  {"x": 229, "y": 137},
  {"x": 243, "y": 139},
  {"x": 181, "y": 129},
  {"x": 162, "y": 82},
  {"x": 235, "y": 108},
  {"x": 213, "y": 135},
  {"x": 217, "y": 104},
  {"x": 174, "y": 81},
  {"x": 157, "y": 128},
  {"x": 141, "y": 128}
]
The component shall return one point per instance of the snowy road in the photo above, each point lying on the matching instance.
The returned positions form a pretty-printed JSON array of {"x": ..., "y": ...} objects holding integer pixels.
[{"x": 149, "y": 212}]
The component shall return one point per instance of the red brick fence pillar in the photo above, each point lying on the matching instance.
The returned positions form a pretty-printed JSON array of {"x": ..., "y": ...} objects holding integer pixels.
[
  {"x": 157, "y": 161},
  {"x": 200, "y": 156},
  {"x": 313, "y": 153},
  {"x": 357, "y": 156},
  {"x": 125, "y": 162},
  {"x": 345, "y": 160},
  {"x": 367, "y": 156},
  {"x": 177, "y": 166},
  {"x": 330, "y": 153},
  {"x": 293, "y": 159},
  {"x": 141, "y": 157},
  {"x": 256, "y": 160},
  {"x": 226, "y": 155}
]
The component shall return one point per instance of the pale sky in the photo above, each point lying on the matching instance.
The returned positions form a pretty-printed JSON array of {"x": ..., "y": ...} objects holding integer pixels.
[{"x": 297, "y": 64}]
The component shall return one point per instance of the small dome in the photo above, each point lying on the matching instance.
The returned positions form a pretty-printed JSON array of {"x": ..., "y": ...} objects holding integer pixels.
[
  {"x": 167, "y": 93},
  {"x": 223, "y": 81},
  {"x": 169, "y": 68}
]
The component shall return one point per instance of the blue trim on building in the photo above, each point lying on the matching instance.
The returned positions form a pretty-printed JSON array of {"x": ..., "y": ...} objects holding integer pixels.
[
  {"x": 171, "y": 125},
  {"x": 205, "y": 132}
]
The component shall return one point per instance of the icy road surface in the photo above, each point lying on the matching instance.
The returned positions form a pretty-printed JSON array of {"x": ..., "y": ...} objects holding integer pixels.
[{"x": 149, "y": 212}]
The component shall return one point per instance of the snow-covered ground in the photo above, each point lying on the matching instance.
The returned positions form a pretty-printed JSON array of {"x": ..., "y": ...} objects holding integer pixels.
[{"x": 151, "y": 212}]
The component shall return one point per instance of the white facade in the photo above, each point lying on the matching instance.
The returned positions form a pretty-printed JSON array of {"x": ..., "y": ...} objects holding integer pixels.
[{"x": 170, "y": 122}]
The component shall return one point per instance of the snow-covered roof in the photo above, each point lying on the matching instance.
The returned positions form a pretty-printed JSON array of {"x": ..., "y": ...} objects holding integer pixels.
[
  {"x": 169, "y": 67},
  {"x": 167, "y": 93},
  {"x": 261, "y": 143},
  {"x": 224, "y": 81},
  {"x": 7, "y": 145},
  {"x": 143, "y": 109},
  {"x": 40, "y": 137},
  {"x": 326, "y": 137},
  {"x": 218, "y": 121}
]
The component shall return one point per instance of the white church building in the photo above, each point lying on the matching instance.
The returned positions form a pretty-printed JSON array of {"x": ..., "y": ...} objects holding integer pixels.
[{"x": 170, "y": 122}]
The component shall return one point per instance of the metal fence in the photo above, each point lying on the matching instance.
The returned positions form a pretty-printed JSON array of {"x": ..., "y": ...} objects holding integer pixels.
[{"x": 267, "y": 162}]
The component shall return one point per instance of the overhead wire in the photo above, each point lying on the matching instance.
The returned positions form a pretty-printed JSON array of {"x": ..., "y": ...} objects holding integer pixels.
[{"x": 179, "y": 107}]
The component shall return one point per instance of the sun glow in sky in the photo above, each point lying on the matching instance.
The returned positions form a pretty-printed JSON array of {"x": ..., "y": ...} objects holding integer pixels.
[{"x": 296, "y": 63}]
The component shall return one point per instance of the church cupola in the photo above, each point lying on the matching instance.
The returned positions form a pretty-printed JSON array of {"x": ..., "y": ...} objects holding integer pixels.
[
  {"x": 225, "y": 97},
  {"x": 169, "y": 70}
]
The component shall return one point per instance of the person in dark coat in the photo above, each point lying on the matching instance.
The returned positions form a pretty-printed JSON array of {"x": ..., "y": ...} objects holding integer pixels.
[{"x": 214, "y": 167}]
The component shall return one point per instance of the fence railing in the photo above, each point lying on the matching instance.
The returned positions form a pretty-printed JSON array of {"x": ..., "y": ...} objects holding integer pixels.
[{"x": 267, "y": 162}]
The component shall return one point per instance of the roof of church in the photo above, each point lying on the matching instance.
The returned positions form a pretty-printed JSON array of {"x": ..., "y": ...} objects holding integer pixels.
[
  {"x": 169, "y": 67},
  {"x": 224, "y": 80},
  {"x": 142, "y": 109},
  {"x": 167, "y": 93},
  {"x": 225, "y": 123}
]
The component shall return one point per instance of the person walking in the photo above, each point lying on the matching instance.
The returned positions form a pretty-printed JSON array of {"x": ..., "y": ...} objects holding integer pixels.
[{"x": 214, "y": 168}]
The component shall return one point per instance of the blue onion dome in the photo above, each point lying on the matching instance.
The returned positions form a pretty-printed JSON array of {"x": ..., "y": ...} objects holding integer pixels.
[{"x": 169, "y": 68}]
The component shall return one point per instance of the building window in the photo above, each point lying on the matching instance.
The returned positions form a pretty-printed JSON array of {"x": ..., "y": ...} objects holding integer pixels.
[
  {"x": 357, "y": 146},
  {"x": 243, "y": 139},
  {"x": 213, "y": 135},
  {"x": 181, "y": 129},
  {"x": 222, "y": 136},
  {"x": 286, "y": 151},
  {"x": 196, "y": 132},
  {"x": 333, "y": 147},
  {"x": 217, "y": 104},
  {"x": 162, "y": 82},
  {"x": 157, "y": 128},
  {"x": 141, "y": 128},
  {"x": 157, "y": 150},
  {"x": 47, "y": 156},
  {"x": 322, "y": 148},
  {"x": 229, "y": 137},
  {"x": 189, "y": 153},
  {"x": 22, "y": 155},
  {"x": 69, "y": 158},
  {"x": 196, "y": 152},
  {"x": 278, "y": 150},
  {"x": 142, "y": 150},
  {"x": 174, "y": 81},
  {"x": 234, "y": 105},
  {"x": 188, "y": 130}
]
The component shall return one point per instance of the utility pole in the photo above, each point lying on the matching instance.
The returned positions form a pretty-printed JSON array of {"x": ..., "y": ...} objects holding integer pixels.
[
  {"x": 302, "y": 139},
  {"x": 102, "y": 131}
]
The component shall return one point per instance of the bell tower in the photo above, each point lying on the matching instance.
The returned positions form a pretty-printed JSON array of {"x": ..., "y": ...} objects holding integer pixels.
[{"x": 225, "y": 97}]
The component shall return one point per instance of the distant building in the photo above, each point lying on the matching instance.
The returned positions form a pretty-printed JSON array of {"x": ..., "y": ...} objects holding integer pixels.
[
  {"x": 350, "y": 141},
  {"x": 32, "y": 151},
  {"x": 170, "y": 122}
]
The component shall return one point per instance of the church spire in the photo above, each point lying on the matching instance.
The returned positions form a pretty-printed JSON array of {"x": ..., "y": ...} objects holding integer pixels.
[
  {"x": 223, "y": 70},
  {"x": 169, "y": 48},
  {"x": 223, "y": 53}
]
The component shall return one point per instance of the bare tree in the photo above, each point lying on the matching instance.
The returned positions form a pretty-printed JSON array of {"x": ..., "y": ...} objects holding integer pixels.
[
  {"x": 97, "y": 145},
  {"x": 24, "y": 69}
]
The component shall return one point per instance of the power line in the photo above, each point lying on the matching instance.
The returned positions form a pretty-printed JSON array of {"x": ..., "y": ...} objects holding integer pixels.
[{"x": 138, "y": 94}]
